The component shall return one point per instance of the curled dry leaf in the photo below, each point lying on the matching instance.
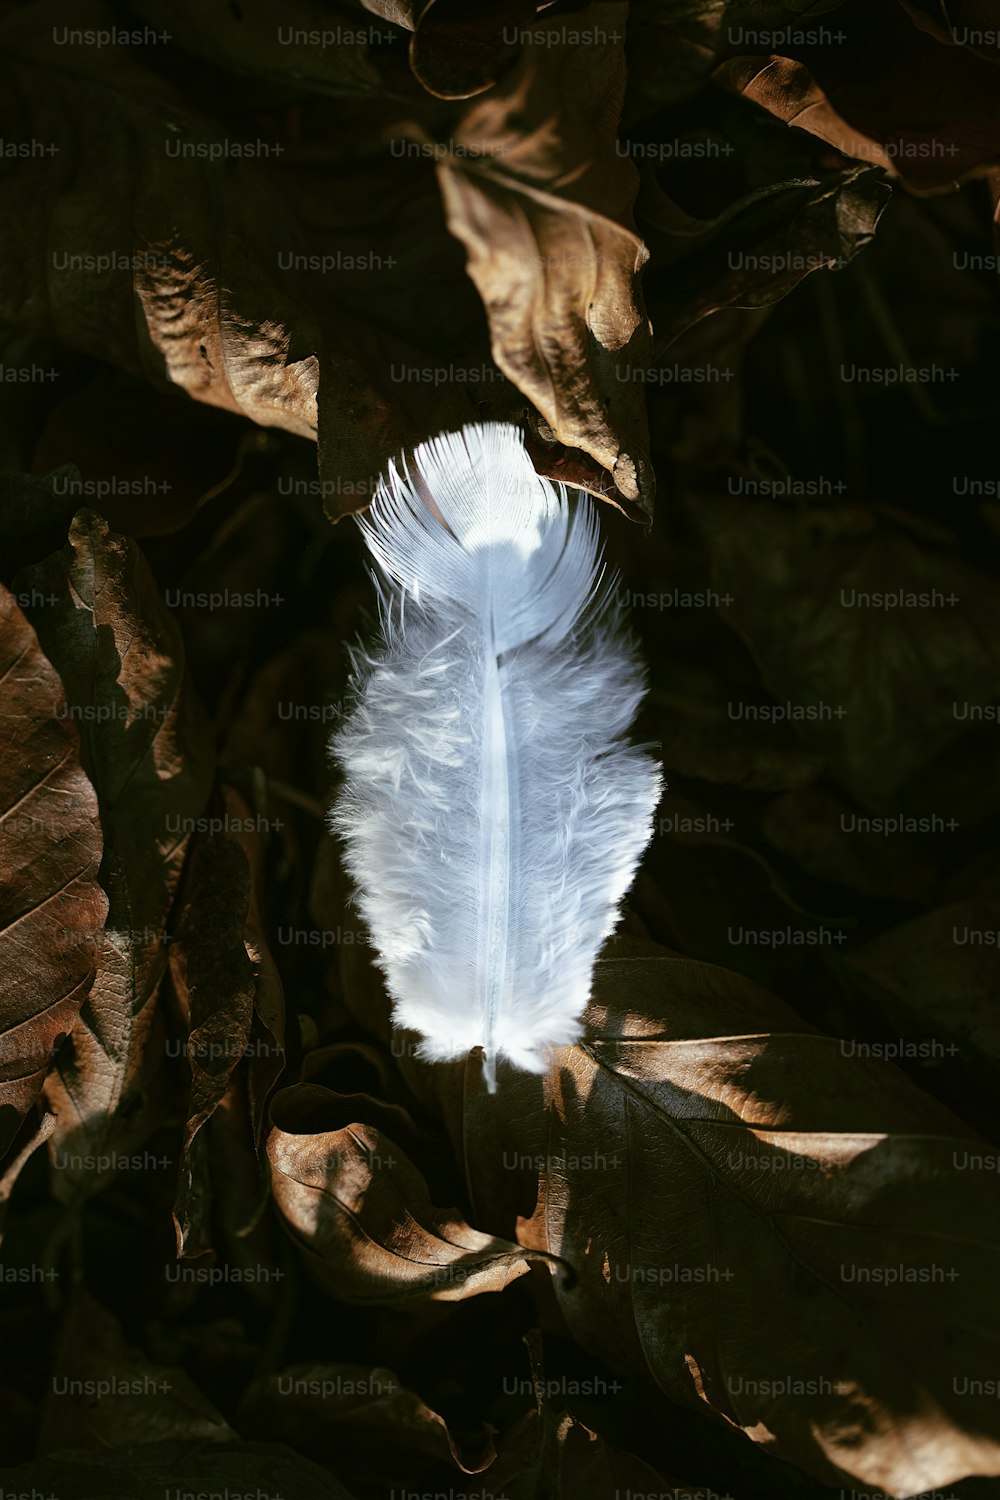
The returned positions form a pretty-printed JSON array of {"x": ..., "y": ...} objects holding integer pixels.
[
  {"x": 535, "y": 191},
  {"x": 125, "y": 131},
  {"x": 51, "y": 906},
  {"x": 361, "y": 1211},
  {"x": 741, "y": 257},
  {"x": 888, "y": 93},
  {"x": 146, "y": 746},
  {"x": 771, "y": 1228}
]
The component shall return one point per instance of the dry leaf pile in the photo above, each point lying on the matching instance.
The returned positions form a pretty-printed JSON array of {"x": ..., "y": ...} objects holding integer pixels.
[{"x": 731, "y": 261}]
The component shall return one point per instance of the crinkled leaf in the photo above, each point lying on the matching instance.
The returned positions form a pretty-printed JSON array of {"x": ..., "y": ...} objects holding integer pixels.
[
  {"x": 760, "y": 248},
  {"x": 146, "y": 746},
  {"x": 542, "y": 204},
  {"x": 361, "y": 1211},
  {"x": 675, "y": 44},
  {"x": 198, "y": 246},
  {"x": 887, "y": 92},
  {"x": 771, "y": 1228},
  {"x": 51, "y": 906}
]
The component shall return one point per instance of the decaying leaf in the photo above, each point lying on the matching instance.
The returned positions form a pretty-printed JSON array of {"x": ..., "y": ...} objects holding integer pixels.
[
  {"x": 361, "y": 1212},
  {"x": 248, "y": 257},
  {"x": 544, "y": 212},
  {"x": 146, "y": 748},
  {"x": 760, "y": 247},
  {"x": 882, "y": 90},
  {"x": 767, "y": 1224},
  {"x": 50, "y": 850}
]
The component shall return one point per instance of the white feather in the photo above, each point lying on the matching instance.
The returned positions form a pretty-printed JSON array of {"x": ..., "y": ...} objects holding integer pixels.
[{"x": 492, "y": 811}]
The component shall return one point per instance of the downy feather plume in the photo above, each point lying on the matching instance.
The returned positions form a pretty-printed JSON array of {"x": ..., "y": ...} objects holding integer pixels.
[{"x": 492, "y": 811}]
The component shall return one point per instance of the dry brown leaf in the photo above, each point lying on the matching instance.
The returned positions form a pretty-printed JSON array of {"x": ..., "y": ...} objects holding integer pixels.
[
  {"x": 147, "y": 748},
  {"x": 887, "y": 92},
  {"x": 51, "y": 906},
  {"x": 535, "y": 190},
  {"x": 199, "y": 246},
  {"x": 742, "y": 257},
  {"x": 361, "y": 1212},
  {"x": 770, "y": 1227}
]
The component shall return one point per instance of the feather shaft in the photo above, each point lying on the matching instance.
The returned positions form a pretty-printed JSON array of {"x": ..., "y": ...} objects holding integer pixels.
[{"x": 499, "y": 856}]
